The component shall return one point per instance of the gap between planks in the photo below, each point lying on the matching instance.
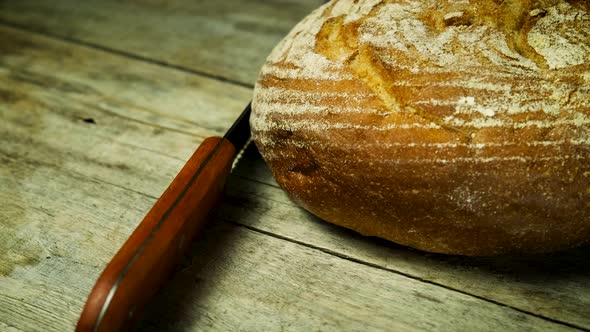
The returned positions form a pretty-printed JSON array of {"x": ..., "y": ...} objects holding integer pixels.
[
  {"x": 126, "y": 54},
  {"x": 376, "y": 266},
  {"x": 77, "y": 174}
]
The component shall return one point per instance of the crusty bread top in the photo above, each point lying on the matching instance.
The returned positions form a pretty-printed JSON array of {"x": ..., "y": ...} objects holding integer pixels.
[
  {"x": 460, "y": 78},
  {"x": 453, "y": 126}
]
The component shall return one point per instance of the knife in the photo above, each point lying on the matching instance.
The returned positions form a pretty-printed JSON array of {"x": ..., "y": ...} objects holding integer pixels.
[{"x": 148, "y": 256}]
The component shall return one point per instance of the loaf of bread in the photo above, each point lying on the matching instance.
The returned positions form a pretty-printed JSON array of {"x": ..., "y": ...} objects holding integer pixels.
[{"x": 454, "y": 126}]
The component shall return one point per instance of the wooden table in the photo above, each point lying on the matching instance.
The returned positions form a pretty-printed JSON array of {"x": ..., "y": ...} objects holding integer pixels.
[{"x": 102, "y": 102}]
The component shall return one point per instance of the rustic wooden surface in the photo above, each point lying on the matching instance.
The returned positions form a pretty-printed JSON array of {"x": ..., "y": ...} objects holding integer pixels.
[{"x": 102, "y": 102}]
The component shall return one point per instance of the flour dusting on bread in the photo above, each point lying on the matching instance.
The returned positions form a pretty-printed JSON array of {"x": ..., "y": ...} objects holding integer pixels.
[{"x": 402, "y": 106}]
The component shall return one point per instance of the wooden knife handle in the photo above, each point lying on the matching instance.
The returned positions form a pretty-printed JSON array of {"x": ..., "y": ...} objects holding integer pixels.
[{"x": 141, "y": 265}]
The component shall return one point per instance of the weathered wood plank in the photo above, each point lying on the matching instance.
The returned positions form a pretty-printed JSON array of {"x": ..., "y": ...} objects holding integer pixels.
[
  {"x": 159, "y": 96},
  {"x": 71, "y": 191},
  {"x": 240, "y": 280},
  {"x": 45, "y": 80},
  {"x": 556, "y": 286},
  {"x": 229, "y": 38},
  {"x": 58, "y": 230}
]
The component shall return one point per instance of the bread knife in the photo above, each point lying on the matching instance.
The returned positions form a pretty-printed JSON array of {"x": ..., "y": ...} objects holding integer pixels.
[{"x": 148, "y": 256}]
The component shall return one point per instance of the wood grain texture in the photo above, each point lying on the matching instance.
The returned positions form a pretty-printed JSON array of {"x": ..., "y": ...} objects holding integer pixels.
[
  {"x": 160, "y": 97},
  {"x": 54, "y": 249},
  {"x": 73, "y": 190},
  {"x": 228, "y": 39}
]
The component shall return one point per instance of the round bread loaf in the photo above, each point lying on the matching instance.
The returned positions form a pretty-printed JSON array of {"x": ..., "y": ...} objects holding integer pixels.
[{"x": 457, "y": 126}]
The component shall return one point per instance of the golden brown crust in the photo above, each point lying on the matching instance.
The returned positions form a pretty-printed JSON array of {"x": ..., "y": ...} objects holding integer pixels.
[{"x": 457, "y": 127}]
